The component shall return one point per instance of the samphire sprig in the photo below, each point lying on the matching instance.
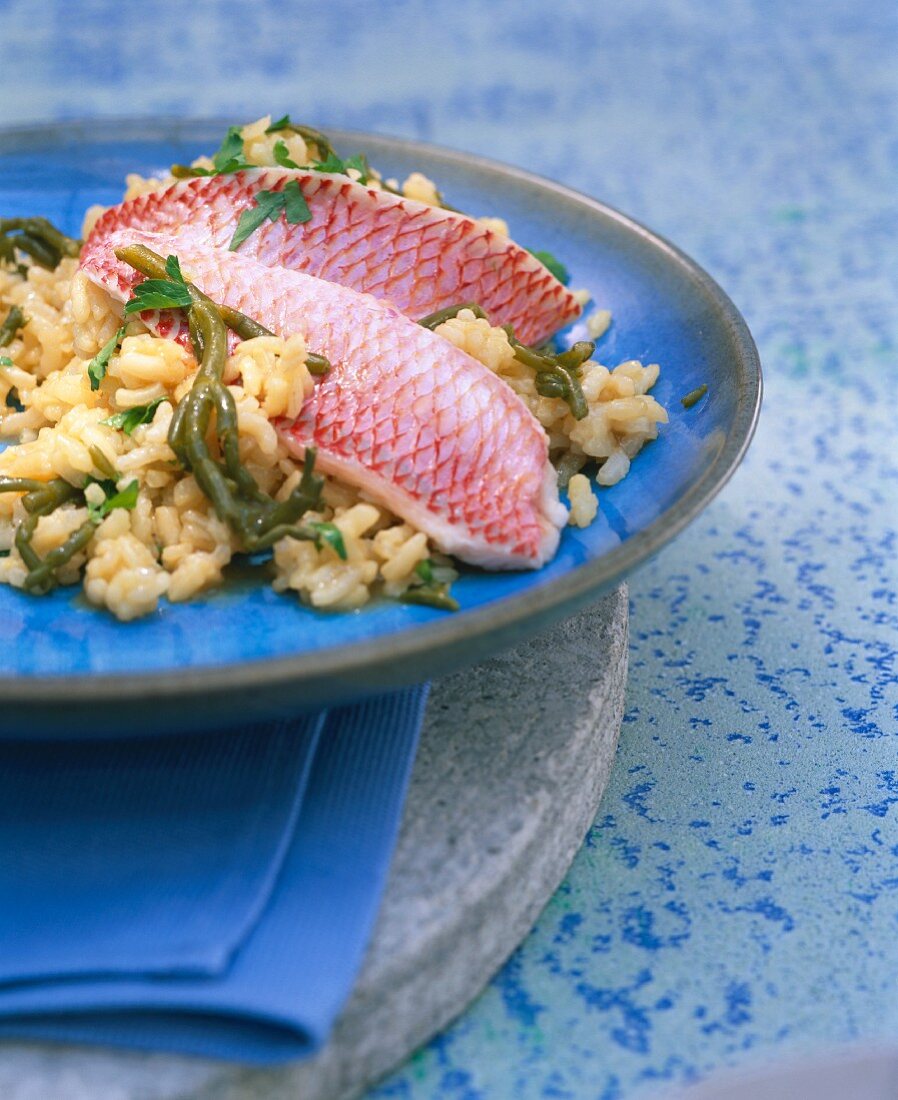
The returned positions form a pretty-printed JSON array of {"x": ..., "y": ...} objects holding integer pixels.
[
  {"x": 557, "y": 373},
  {"x": 37, "y": 238},
  {"x": 256, "y": 518},
  {"x": 14, "y": 321},
  {"x": 43, "y": 497}
]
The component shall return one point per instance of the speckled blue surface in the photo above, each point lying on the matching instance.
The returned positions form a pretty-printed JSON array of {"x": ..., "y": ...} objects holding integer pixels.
[{"x": 738, "y": 896}]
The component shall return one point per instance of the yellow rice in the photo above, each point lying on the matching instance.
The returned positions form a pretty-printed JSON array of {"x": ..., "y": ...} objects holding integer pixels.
[{"x": 172, "y": 544}]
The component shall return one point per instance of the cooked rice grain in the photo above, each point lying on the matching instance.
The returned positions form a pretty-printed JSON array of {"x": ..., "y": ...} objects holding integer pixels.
[{"x": 172, "y": 543}]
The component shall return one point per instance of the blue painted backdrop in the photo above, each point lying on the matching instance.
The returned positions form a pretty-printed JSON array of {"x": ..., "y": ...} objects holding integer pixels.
[{"x": 738, "y": 894}]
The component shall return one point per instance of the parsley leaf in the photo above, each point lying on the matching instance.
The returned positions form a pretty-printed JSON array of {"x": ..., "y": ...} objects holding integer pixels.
[
  {"x": 331, "y": 164},
  {"x": 5, "y": 361},
  {"x": 360, "y": 163},
  {"x": 96, "y": 368},
  {"x": 270, "y": 204},
  {"x": 173, "y": 270},
  {"x": 295, "y": 206},
  {"x": 229, "y": 158},
  {"x": 282, "y": 155},
  {"x": 230, "y": 152},
  {"x": 332, "y": 535},
  {"x": 158, "y": 294},
  {"x": 134, "y": 417},
  {"x": 424, "y": 569},
  {"x": 554, "y": 265},
  {"x": 127, "y": 498},
  {"x": 281, "y": 124}
]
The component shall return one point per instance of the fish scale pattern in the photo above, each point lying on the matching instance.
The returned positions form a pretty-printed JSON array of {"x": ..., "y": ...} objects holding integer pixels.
[
  {"x": 403, "y": 414},
  {"x": 419, "y": 257}
]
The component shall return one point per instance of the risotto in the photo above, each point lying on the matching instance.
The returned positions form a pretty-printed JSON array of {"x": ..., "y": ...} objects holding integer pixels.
[{"x": 87, "y": 405}]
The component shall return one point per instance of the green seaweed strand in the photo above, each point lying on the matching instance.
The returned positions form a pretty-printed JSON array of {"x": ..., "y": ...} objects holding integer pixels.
[
  {"x": 37, "y": 238},
  {"x": 245, "y": 327},
  {"x": 557, "y": 373},
  {"x": 434, "y": 320},
  {"x": 42, "y": 498},
  {"x": 15, "y": 320}
]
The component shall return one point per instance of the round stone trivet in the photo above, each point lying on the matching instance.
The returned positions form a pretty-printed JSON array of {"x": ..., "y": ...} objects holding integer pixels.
[{"x": 514, "y": 757}]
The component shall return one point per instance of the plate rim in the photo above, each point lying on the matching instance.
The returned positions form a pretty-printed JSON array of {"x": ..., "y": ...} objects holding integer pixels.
[{"x": 500, "y": 618}]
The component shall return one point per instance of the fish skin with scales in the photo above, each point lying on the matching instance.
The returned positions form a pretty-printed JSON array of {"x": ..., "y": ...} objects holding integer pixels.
[
  {"x": 421, "y": 258},
  {"x": 404, "y": 415}
]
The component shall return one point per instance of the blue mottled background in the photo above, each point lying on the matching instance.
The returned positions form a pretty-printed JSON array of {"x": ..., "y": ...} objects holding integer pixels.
[{"x": 737, "y": 897}]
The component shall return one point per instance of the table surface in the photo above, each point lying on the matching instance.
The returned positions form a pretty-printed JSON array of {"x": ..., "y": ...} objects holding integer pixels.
[{"x": 737, "y": 896}]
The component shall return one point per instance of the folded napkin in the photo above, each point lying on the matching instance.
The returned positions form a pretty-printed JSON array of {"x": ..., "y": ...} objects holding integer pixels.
[{"x": 207, "y": 893}]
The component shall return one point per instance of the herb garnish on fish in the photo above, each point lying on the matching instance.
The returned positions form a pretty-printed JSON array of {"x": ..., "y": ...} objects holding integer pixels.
[
  {"x": 271, "y": 204},
  {"x": 553, "y": 264}
]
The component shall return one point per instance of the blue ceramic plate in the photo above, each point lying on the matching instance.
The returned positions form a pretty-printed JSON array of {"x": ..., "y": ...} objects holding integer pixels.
[{"x": 245, "y": 652}]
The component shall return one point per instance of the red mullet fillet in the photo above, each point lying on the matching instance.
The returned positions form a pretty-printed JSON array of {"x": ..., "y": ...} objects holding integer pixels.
[
  {"x": 403, "y": 414},
  {"x": 421, "y": 258}
]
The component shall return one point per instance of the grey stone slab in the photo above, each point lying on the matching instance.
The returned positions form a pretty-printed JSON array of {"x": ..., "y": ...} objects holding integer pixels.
[{"x": 514, "y": 757}]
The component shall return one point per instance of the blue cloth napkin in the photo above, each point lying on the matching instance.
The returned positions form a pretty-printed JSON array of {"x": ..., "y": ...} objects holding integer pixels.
[{"x": 209, "y": 894}]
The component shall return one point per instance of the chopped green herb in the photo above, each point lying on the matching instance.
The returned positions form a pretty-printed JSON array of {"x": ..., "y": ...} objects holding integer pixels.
[
  {"x": 134, "y": 417},
  {"x": 333, "y": 536},
  {"x": 554, "y": 265},
  {"x": 228, "y": 158},
  {"x": 694, "y": 397},
  {"x": 332, "y": 163},
  {"x": 173, "y": 269},
  {"x": 307, "y": 133},
  {"x": 360, "y": 163},
  {"x": 158, "y": 294},
  {"x": 5, "y": 361},
  {"x": 282, "y": 155},
  {"x": 96, "y": 368},
  {"x": 269, "y": 205},
  {"x": 424, "y": 569},
  {"x": 296, "y": 208},
  {"x": 127, "y": 499},
  {"x": 230, "y": 153}
]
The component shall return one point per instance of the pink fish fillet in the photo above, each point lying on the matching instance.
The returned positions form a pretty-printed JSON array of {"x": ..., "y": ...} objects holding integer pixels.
[
  {"x": 421, "y": 258},
  {"x": 403, "y": 414}
]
